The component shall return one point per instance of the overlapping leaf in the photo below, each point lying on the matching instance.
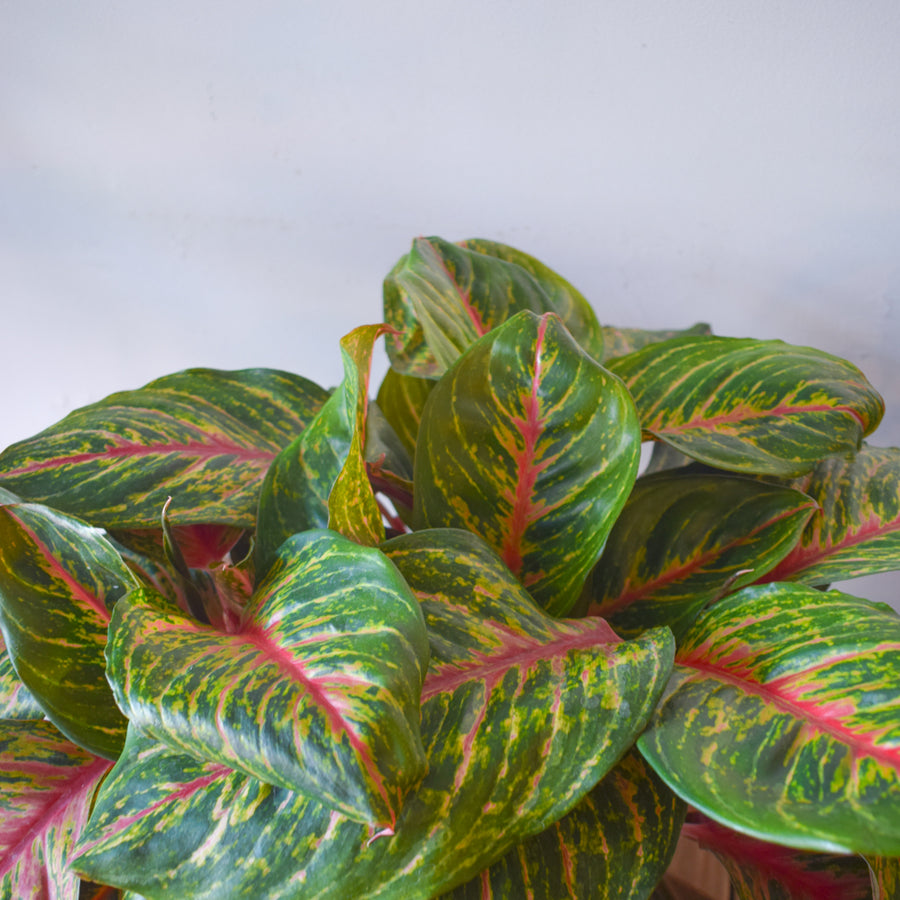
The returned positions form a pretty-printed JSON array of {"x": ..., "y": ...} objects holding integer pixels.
[
  {"x": 59, "y": 581},
  {"x": 529, "y": 717},
  {"x": 204, "y": 437},
  {"x": 568, "y": 302},
  {"x": 616, "y": 843},
  {"x": 327, "y": 458},
  {"x": 857, "y": 530},
  {"x": 682, "y": 539},
  {"x": 46, "y": 787},
  {"x": 402, "y": 398},
  {"x": 16, "y": 701},
  {"x": 317, "y": 691},
  {"x": 441, "y": 297},
  {"x": 763, "y": 871},
  {"x": 622, "y": 341},
  {"x": 885, "y": 878},
  {"x": 750, "y": 406},
  {"x": 782, "y": 719},
  {"x": 530, "y": 444}
]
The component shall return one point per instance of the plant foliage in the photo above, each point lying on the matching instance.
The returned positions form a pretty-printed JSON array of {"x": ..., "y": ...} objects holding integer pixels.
[{"x": 263, "y": 639}]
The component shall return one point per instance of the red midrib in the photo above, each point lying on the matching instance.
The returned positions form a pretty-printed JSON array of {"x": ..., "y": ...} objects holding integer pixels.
[{"x": 744, "y": 413}]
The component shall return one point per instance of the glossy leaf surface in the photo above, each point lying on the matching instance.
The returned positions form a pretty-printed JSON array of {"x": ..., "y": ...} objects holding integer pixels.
[
  {"x": 46, "y": 787},
  {"x": 317, "y": 691},
  {"x": 530, "y": 444},
  {"x": 763, "y": 871},
  {"x": 59, "y": 581},
  {"x": 528, "y": 719},
  {"x": 782, "y": 719},
  {"x": 616, "y": 843},
  {"x": 328, "y": 456},
  {"x": 857, "y": 531},
  {"x": 682, "y": 539},
  {"x": 204, "y": 437},
  {"x": 750, "y": 406},
  {"x": 568, "y": 302},
  {"x": 441, "y": 297}
]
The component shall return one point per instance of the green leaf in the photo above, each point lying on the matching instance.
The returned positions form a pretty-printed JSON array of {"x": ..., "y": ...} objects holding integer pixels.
[
  {"x": 622, "y": 341},
  {"x": 857, "y": 530},
  {"x": 885, "y": 876},
  {"x": 533, "y": 446},
  {"x": 402, "y": 398},
  {"x": 59, "y": 580},
  {"x": 751, "y": 406},
  {"x": 16, "y": 701},
  {"x": 46, "y": 787},
  {"x": 533, "y": 714},
  {"x": 763, "y": 871},
  {"x": 327, "y": 458},
  {"x": 441, "y": 297},
  {"x": 616, "y": 843},
  {"x": 568, "y": 302},
  {"x": 782, "y": 719},
  {"x": 204, "y": 437},
  {"x": 681, "y": 540},
  {"x": 317, "y": 691}
]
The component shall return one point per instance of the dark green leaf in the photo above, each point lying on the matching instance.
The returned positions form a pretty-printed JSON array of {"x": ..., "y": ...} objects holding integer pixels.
[
  {"x": 683, "y": 539},
  {"x": 530, "y": 444},
  {"x": 402, "y": 398},
  {"x": 16, "y": 701},
  {"x": 204, "y": 437},
  {"x": 750, "y": 406},
  {"x": 622, "y": 341}
]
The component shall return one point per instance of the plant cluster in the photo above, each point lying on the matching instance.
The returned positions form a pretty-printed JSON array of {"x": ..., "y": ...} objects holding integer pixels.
[{"x": 262, "y": 639}]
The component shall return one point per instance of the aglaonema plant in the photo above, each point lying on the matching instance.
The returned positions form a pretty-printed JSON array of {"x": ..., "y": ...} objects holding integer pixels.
[{"x": 266, "y": 640}]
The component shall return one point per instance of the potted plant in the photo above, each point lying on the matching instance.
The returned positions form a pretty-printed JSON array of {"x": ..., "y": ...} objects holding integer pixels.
[{"x": 262, "y": 639}]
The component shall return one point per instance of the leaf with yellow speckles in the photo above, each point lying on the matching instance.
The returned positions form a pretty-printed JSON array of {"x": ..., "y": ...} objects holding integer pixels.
[
  {"x": 886, "y": 877},
  {"x": 402, "y": 398},
  {"x": 521, "y": 716},
  {"x": 764, "y": 871},
  {"x": 782, "y": 719},
  {"x": 441, "y": 297},
  {"x": 622, "y": 341},
  {"x": 682, "y": 539},
  {"x": 46, "y": 787},
  {"x": 750, "y": 406},
  {"x": 16, "y": 701},
  {"x": 615, "y": 845},
  {"x": 59, "y": 581},
  {"x": 857, "y": 528},
  {"x": 316, "y": 690},
  {"x": 533, "y": 446},
  {"x": 320, "y": 479},
  {"x": 203, "y": 436}
]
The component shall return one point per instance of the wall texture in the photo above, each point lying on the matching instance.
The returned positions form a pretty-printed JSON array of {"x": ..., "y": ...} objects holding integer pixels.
[{"x": 226, "y": 184}]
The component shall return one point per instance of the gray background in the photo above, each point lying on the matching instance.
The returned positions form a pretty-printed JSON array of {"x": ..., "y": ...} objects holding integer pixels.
[{"x": 226, "y": 184}]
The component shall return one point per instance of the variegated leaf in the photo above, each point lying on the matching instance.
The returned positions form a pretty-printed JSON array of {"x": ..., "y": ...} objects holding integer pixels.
[
  {"x": 751, "y": 406},
  {"x": 764, "y": 871},
  {"x": 517, "y": 730},
  {"x": 533, "y": 446},
  {"x": 441, "y": 297},
  {"x": 568, "y": 302},
  {"x": 59, "y": 580},
  {"x": 622, "y": 341},
  {"x": 683, "y": 539},
  {"x": 318, "y": 689},
  {"x": 46, "y": 788},
  {"x": 328, "y": 457},
  {"x": 857, "y": 530},
  {"x": 782, "y": 719},
  {"x": 885, "y": 876},
  {"x": 615, "y": 845},
  {"x": 16, "y": 701},
  {"x": 204, "y": 437},
  {"x": 402, "y": 398}
]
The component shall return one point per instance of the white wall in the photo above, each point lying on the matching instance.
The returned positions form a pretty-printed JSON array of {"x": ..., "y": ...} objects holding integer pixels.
[{"x": 226, "y": 184}]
